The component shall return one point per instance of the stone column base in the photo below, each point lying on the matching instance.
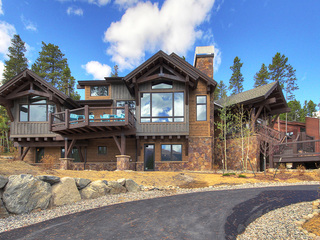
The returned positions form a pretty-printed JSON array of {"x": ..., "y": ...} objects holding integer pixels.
[
  {"x": 66, "y": 163},
  {"x": 123, "y": 162}
]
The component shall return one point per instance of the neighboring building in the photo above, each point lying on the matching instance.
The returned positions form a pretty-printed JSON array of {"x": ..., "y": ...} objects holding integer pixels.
[{"x": 159, "y": 117}]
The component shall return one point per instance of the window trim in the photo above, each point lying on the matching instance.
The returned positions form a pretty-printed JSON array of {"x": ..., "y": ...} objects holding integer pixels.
[
  {"x": 98, "y": 86},
  {"x": 101, "y": 153},
  {"x": 171, "y": 144},
  {"x": 201, "y": 104},
  {"x": 153, "y": 117}
]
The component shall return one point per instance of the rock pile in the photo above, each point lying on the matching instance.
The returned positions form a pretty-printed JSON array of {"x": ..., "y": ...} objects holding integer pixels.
[{"x": 26, "y": 193}]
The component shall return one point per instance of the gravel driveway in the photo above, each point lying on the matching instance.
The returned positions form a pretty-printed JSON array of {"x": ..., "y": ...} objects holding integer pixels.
[{"x": 206, "y": 215}]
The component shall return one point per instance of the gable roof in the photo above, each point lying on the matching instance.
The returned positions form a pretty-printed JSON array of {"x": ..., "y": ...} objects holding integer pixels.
[
  {"x": 183, "y": 68},
  {"x": 29, "y": 76},
  {"x": 257, "y": 96}
]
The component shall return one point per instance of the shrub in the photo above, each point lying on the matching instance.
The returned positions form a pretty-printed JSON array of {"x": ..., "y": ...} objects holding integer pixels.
[
  {"x": 282, "y": 168},
  {"x": 301, "y": 170},
  {"x": 232, "y": 173},
  {"x": 48, "y": 162},
  {"x": 242, "y": 176},
  {"x": 226, "y": 174}
]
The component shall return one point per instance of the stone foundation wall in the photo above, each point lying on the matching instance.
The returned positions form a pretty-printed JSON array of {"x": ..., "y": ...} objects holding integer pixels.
[{"x": 234, "y": 154}]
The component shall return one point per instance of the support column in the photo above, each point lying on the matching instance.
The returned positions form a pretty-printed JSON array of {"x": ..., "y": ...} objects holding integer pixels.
[{"x": 123, "y": 162}]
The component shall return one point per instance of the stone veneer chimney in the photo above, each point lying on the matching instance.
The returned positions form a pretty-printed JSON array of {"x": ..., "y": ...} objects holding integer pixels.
[{"x": 203, "y": 60}]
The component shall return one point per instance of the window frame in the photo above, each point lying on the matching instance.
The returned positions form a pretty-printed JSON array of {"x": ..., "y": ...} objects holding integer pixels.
[
  {"x": 99, "y": 86},
  {"x": 102, "y": 153},
  {"x": 201, "y": 104},
  {"x": 171, "y": 152},
  {"x": 173, "y": 117},
  {"x": 29, "y": 103},
  {"x": 133, "y": 110}
]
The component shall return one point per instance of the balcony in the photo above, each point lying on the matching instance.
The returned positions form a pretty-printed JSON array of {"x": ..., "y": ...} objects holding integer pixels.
[{"x": 91, "y": 122}]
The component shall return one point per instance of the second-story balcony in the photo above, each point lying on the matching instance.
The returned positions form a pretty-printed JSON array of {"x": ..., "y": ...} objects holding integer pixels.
[{"x": 87, "y": 122}]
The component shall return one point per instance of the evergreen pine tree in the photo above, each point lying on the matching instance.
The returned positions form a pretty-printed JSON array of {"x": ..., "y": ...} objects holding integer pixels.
[
  {"x": 236, "y": 79},
  {"x": 261, "y": 77},
  {"x": 221, "y": 91},
  {"x": 17, "y": 61},
  {"x": 52, "y": 66},
  {"x": 115, "y": 71}
]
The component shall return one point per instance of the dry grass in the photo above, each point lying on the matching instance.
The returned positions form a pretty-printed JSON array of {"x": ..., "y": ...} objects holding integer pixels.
[
  {"x": 312, "y": 225},
  {"x": 159, "y": 179}
]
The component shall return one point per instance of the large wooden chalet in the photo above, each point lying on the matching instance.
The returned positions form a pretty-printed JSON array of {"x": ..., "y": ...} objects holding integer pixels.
[{"x": 158, "y": 117}]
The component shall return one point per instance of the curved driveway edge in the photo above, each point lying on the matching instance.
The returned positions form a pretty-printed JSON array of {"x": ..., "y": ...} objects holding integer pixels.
[{"x": 203, "y": 215}]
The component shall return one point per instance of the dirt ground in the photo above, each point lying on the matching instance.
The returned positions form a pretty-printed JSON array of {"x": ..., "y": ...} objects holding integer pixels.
[
  {"x": 313, "y": 225},
  {"x": 160, "y": 179}
]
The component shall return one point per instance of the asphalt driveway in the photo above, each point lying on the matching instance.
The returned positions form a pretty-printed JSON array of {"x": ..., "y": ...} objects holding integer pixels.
[{"x": 207, "y": 215}]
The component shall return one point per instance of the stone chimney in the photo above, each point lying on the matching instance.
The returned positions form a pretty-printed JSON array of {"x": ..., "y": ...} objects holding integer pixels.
[{"x": 203, "y": 60}]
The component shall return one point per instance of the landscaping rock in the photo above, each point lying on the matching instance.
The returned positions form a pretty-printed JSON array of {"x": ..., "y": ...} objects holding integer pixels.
[
  {"x": 122, "y": 181},
  {"x": 105, "y": 181},
  {"x": 49, "y": 179},
  {"x": 24, "y": 193},
  {"x": 132, "y": 186},
  {"x": 65, "y": 192},
  {"x": 116, "y": 187},
  {"x": 3, "y": 211},
  {"x": 82, "y": 182},
  {"x": 94, "y": 190},
  {"x": 3, "y": 181}
]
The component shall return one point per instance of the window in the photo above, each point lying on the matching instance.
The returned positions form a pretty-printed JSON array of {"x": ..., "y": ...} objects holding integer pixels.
[
  {"x": 96, "y": 91},
  {"x": 171, "y": 152},
  {"x": 201, "y": 108},
  {"x": 162, "y": 107},
  {"x": 74, "y": 154},
  {"x": 131, "y": 105},
  {"x": 162, "y": 85},
  {"x": 102, "y": 150},
  {"x": 36, "y": 110}
]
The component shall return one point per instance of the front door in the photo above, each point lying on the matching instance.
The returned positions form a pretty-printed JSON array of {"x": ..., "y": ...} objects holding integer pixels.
[{"x": 149, "y": 157}]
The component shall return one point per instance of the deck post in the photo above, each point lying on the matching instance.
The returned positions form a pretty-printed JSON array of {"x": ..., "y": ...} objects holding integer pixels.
[
  {"x": 50, "y": 122},
  {"x": 86, "y": 115},
  {"x": 126, "y": 114},
  {"x": 67, "y": 118}
]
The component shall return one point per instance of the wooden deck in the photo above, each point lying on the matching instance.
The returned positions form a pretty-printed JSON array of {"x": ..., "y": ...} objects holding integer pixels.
[
  {"x": 297, "y": 151},
  {"x": 91, "y": 122}
]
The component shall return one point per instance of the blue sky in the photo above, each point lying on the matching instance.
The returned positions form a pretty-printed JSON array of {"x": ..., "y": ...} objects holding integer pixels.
[{"x": 97, "y": 34}]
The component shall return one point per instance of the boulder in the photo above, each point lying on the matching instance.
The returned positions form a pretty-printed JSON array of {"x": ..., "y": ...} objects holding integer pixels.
[
  {"x": 24, "y": 193},
  {"x": 82, "y": 182},
  {"x": 105, "y": 181},
  {"x": 3, "y": 181},
  {"x": 3, "y": 211},
  {"x": 65, "y": 192},
  {"x": 132, "y": 186},
  {"x": 49, "y": 179},
  {"x": 122, "y": 181},
  {"x": 116, "y": 187},
  {"x": 94, "y": 190}
]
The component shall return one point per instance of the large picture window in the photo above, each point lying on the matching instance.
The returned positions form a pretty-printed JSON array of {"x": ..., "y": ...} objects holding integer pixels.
[
  {"x": 201, "y": 108},
  {"x": 162, "y": 107},
  {"x": 36, "y": 110},
  {"x": 171, "y": 152},
  {"x": 96, "y": 91}
]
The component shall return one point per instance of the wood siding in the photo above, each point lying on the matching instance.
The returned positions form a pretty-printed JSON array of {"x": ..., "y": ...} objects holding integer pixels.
[
  {"x": 88, "y": 97},
  {"x": 33, "y": 129},
  {"x": 199, "y": 128}
]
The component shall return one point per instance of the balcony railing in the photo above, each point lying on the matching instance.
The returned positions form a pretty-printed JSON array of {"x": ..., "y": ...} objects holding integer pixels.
[{"x": 92, "y": 117}]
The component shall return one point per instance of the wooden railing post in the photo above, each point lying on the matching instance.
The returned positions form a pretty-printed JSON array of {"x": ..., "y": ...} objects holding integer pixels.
[
  {"x": 86, "y": 115},
  {"x": 50, "y": 122},
  {"x": 126, "y": 113},
  {"x": 67, "y": 118}
]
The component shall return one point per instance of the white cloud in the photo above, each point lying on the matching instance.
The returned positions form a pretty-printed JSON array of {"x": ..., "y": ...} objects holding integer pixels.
[
  {"x": 96, "y": 2},
  {"x": 217, "y": 59},
  {"x": 28, "y": 25},
  {"x": 6, "y": 33},
  {"x": 1, "y": 70},
  {"x": 75, "y": 11},
  {"x": 98, "y": 70},
  {"x": 1, "y": 10},
  {"x": 124, "y": 4},
  {"x": 99, "y": 2},
  {"x": 146, "y": 27}
]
